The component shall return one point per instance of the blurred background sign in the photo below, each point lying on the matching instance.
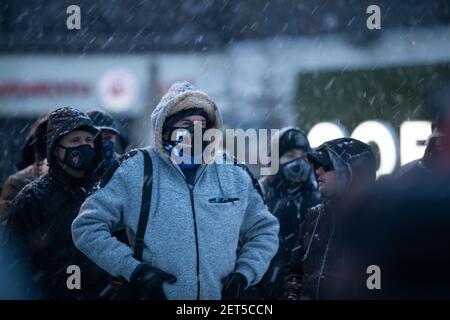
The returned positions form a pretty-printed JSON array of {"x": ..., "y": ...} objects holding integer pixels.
[{"x": 32, "y": 84}]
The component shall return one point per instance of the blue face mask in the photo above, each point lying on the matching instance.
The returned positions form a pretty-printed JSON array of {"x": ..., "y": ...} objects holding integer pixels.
[{"x": 108, "y": 151}]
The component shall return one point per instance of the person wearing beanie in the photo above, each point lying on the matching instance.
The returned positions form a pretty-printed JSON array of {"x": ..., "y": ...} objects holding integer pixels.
[
  {"x": 289, "y": 194},
  {"x": 112, "y": 138},
  {"x": 43, "y": 211},
  {"x": 346, "y": 170},
  {"x": 209, "y": 234}
]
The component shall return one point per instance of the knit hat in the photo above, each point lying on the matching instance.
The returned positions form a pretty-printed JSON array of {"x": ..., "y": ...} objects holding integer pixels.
[{"x": 173, "y": 119}]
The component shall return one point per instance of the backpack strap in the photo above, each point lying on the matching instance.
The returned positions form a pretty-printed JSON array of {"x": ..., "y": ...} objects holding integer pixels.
[{"x": 145, "y": 206}]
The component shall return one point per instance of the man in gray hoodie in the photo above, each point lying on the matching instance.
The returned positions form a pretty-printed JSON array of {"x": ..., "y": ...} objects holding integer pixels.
[{"x": 195, "y": 246}]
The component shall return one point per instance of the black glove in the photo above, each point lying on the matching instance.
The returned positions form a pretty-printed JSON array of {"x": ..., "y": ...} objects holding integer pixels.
[
  {"x": 147, "y": 282},
  {"x": 233, "y": 286}
]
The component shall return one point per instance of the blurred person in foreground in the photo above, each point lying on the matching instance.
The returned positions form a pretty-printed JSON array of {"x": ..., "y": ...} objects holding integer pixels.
[
  {"x": 289, "y": 195},
  {"x": 404, "y": 232},
  {"x": 43, "y": 211},
  {"x": 345, "y": 170}
]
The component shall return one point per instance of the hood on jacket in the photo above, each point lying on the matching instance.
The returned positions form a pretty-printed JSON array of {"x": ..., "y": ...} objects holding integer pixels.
[
  {"x": 34, "y": 148},
  {"x": 182, "y": 95},
  {"x": 67, "y": 119},
  {"x": 353, "y": 161}
]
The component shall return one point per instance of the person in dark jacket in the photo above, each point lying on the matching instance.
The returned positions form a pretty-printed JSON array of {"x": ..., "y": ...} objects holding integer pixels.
[
  {"x": 345, "y": 169},
  {"x": 112, "y": 138},
  {"x": 288, "y": 194},
  {"x": 43, "y": 211},
  {"x": 32, "y": 165}
]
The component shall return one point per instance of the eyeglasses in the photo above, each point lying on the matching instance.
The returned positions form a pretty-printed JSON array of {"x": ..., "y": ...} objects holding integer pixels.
[{"x": 327, "y": 167}]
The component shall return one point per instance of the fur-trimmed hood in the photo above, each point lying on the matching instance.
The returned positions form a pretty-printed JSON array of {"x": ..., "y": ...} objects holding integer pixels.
[{"x": 182, "y": 95}]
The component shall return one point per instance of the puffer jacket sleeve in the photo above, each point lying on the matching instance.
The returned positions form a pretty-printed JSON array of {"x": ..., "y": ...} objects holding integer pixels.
[
  {"x": 99, "y": 216},
  {"x": 259, "y": 237}
]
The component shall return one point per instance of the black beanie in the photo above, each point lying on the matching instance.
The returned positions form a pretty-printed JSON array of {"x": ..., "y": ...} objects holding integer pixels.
[
  {"x": 293, "y": 139},
  {"x": 171, "y": 120}
]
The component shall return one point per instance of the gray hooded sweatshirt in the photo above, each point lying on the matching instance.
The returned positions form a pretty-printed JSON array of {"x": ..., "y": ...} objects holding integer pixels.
[{"x": 197, "y": 241}]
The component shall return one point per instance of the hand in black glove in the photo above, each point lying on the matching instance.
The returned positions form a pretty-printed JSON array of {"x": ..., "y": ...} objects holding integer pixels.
[
  {"x": 147, "y": 282},
  {"x": 233, "y": 286}
]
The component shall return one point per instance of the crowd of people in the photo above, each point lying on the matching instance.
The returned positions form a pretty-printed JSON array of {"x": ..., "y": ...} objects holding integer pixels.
[{"x": 144, "y": 224}]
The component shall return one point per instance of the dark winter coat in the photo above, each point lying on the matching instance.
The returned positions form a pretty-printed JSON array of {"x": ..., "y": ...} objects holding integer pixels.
[
  {"x": 289, "y": 205},
  {"x": 15, "y": 183},
  {"x": 20, "y": 179},
  {"x": 311, "y": 272},
  {"x": 315, "y": 256},
  {"x": 43, "y": 213},
  {"x": 290, "y": 212},
  {"x": 31, "y": 165}
]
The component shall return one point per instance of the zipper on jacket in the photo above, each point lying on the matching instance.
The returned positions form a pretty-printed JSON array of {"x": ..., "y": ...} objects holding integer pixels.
[
  {"x": 322, "y": 269},
  {"x": 194, "y": 217},
  {"x": 191, "y": 193}
]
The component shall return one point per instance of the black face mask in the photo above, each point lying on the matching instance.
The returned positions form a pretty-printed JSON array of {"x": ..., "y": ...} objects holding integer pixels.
[
  {"x": 297, "y": 171},
  {"x": 79, "y": 158}
]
